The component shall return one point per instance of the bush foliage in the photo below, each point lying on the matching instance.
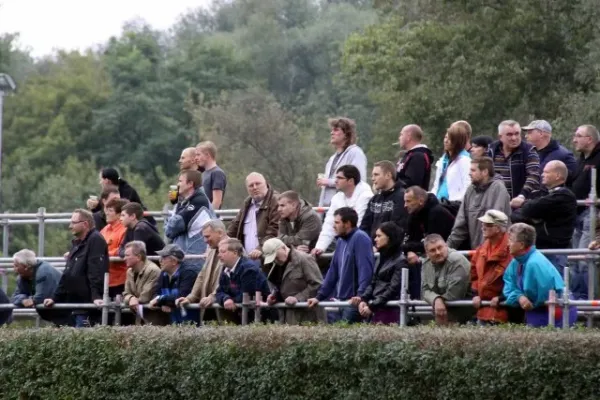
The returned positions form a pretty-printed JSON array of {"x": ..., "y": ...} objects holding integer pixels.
[{"x": 299, "y": 363}]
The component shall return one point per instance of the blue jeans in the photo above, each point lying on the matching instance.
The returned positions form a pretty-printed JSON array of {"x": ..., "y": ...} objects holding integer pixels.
[
  {"x": 348, "y": 314},
  {"x": 579, "y": 272},
  {"x": 559, "y": 261}
]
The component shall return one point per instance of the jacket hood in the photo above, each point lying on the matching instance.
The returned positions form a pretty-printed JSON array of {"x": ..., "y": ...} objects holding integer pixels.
[
  {"x": 431, "y": 202},
  {"x": 146, "y": 225},
  {"x": 305, "y": 207},
  {"x": 592, "y": 154},
  {"x": 553, "y": 145},
  {"x": 421, "y": 148}
]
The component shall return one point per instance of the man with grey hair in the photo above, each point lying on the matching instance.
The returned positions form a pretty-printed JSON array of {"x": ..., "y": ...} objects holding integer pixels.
[
  {"x": 258, "y": 218},
  {"x": 445, "y": 276},
  {"x": 539, "y": 134},
  {"x": 36, "y": 281},
  {"x": 516, "y": 161},
  {"x": 552, "y": 215},
  {"x": 205, "y": 287},
  {"x": 530, "y": 277}
]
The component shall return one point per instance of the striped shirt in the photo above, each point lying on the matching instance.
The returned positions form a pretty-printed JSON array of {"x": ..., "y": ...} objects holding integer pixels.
[{"x": 520, "y": 171}]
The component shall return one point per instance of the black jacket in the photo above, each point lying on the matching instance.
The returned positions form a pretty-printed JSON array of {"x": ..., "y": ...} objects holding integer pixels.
[
  {"x": 582, "y": 181},
  {"x": 553, "y": 217},
  {"x": 144, "y": 232},
  {"x": 415, "y": 167},
  {"x": 383, "y": 207},
  {"x": 99, "y": 219},
  {"x": 83, "y": 278},
  {"x": 432, "y": 218}
]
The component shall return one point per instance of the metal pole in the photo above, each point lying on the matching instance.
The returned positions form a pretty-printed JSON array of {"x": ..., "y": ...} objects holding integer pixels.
[
  {"x": 566, "y": 291},
  {"x": 551, "y": 307},
  {"x": 245, "y": 303},
  {"x": 41, "y": 231},
  {"x": 403, "y": 296},
  {"x": 257, "y": 302},
  {"x": 592, "y": 265},
  {"x": 118, "y": 301},
  {"x": 1, "y": 112},
  {"x": 106, "y": 300}
]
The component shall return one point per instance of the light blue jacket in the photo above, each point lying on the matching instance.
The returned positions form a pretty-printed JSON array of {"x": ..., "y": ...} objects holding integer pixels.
[{"x": 533, "y": 276}]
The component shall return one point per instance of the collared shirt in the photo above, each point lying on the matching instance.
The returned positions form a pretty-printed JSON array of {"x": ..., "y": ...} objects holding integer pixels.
[
  {"x": 251, "y": 228},
  {"x": 229, "y": 271}
]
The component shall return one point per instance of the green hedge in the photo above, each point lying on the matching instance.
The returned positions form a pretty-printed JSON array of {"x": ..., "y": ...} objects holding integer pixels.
[{"x": 299, "y": 363}]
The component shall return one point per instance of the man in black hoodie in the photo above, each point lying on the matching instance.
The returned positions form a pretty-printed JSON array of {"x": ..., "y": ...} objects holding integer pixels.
[
  {"x": 388, "y": 204},
  {"x": 426, "y": 216},
  {"x": 132, "y": 217},
  {"x": 415, "y": 166}
]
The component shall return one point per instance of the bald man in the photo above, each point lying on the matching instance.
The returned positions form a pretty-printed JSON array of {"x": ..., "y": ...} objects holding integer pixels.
[
  {"x": 187, "y": 160},
  {"x": 258, "y": 218},
  {"x": 414, "y": 168},
  {"x": 552, "y": 215}
]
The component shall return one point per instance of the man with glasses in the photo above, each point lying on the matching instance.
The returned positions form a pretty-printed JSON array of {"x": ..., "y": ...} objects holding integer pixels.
[
  {"x": 83, "y": 278},
  {"x": 516, "y": 161},
  {"x": 585, "y": 141}
]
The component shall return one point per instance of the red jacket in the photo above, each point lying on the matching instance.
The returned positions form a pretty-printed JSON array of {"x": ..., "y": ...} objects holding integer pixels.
[{"x": 488, "y": 264}]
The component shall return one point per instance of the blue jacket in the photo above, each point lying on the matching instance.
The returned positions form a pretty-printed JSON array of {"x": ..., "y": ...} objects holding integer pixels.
[
  {"x": 554, "y": 151},
  {"x": 41, "y": 286},
  {"x": 351, "y": 268},
  {"x": 184, "y": 227},
  {"x": 533, "y": 276},
  {"x": 179, "y": 285},
  {"x": 245, "y": 278}
]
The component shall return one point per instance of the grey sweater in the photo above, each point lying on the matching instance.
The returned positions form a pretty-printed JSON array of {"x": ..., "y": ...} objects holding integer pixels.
[{"x": 353, "y": 155}]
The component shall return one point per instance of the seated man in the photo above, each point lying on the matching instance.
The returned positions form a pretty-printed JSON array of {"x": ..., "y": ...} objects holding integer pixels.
[
  {"x": 351, "y": 267},
  {"x": 530, "y": 277},
  {"x": 141, "y": 284},
  {"x": 299, "y": 224},
  {"x": 175, "y": 280},
  {"x": 295, "y": 276},
  {"x": 488, "y": 263},
  {"x": 445, "y": 277},
  {"x": 36, "y": 281},
  {"x": 240, "y": 275},
  {"x": 206, "y": 284}
]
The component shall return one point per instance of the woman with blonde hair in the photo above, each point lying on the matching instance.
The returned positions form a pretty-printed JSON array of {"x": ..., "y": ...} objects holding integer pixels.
[{"x": 452, "y": 176}]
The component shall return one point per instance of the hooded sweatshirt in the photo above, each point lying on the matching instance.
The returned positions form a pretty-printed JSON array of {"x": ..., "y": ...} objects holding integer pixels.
[
  {"x": 387, "y": 205},
  {"x": 352, "y": 155},
  {"x": 432, "y": 218},
  {"x": 359, "y": 201},
  {"x": 145, "y": 232},
  {"x": 414, "y": 168}
]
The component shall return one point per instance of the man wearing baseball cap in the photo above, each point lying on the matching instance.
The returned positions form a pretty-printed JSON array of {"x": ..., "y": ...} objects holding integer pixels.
[
  {"x": 488, "y": 263},
  {"x": 295, "y": 276},
  {"x": 539, "y": 134}
]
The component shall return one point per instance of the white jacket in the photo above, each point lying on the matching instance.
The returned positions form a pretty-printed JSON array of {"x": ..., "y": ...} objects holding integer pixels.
[
  {"x": 353, "y": 155},
  {"x": 457, "y": 176},
  {"x": 359, "y": 202}
]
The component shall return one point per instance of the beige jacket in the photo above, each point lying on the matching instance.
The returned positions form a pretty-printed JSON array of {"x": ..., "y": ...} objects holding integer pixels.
[
  {"x": 144, "y": 288},
  {"x": 208, "y": 279}
]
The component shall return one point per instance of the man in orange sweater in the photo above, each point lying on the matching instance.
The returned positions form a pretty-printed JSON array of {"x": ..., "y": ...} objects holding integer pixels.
[
  {"x": 488, "y": 263},
  {"x": 114, "y": 233}
]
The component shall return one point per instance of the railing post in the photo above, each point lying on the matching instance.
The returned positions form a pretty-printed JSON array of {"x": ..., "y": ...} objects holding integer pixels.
[
  {"x": 5, "y": 233},
  {"x": 245, "y": 304},
  {"x": 106, "y": 300},
  {"x": 41, "y": 231},
  {"x": 592, "y": 265},
  {"x": 565, "y": 305},
  {"x": 257, "y": 301},
  {"x": 551, "y": 307},
  {"x": 403, "y": 297},
  {"x": 118, "y": 301}
]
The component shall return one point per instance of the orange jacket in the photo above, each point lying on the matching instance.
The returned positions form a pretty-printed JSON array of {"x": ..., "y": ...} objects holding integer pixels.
[
  {"x": 114, "y": 233},
  {"x": 488, "y": 264}
]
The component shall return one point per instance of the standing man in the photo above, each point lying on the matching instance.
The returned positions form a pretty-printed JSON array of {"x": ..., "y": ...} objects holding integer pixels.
[
  {"x": 351, "y": 267},
  {"x": 539, "y": 134},
  {"x": 213, "y": 178},
  {"x": 485, "y": 193},
  {"x": 299, "y": 224},
  {"x": 517, "y": 162},
  {"x": 295, "y": 277},
  {"x": 138, "y": 228},
  {"x": 187, "y": 162},
  {"x": 414, "y": 168},
  {"x": 83, "y": 278},
  {"x": 258, "y": 218},
  {"x": 184, "y": 227}
]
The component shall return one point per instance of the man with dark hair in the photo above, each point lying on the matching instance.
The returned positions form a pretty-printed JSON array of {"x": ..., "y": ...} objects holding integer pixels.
[
  {"x": 414, "y": 168},
  {"x": 351, "y": 267},
  {"x": 109, "y": 192},
  {"x": 388, "y": 203},
  {"x": 83, "y": 278},
  {"x": 138, "y": 228},
  {"x": 299, "y": 224},
  {"x": 484, "y": 193},
  {"x": 184, "y": 227},
  {"x": 214, "y": 179},
  {"x": 353, "y": 193}
]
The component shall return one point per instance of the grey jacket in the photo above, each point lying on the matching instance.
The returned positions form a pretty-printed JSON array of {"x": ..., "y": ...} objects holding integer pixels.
[
  {"x": 477, "y": 200},
  {"x": 353, "y": 155},
  {"x": 306, "y": 227},
  {"x": 41, "y": 286}
]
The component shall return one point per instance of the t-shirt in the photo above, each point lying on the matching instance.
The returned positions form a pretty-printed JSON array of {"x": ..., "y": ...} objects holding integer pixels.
[{"x": 214, "y": 179}]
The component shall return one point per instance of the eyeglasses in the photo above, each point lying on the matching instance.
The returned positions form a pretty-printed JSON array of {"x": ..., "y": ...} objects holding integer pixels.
[
  {"x": 76, "y": 222},
  {"x": 340, "y": 177}
]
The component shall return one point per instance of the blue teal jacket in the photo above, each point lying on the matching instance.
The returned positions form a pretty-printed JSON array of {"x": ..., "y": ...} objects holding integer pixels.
[{"x": 533, "y": 276}]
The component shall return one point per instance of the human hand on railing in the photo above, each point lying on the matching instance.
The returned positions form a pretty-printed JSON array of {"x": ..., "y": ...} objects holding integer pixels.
[
  {"x": 255, "y": 254},
  {"x": 206, "y": 302},
  {"x": 355, "y": 301},
  {"x": 525, "y": 303},
  {"x": 66, "y": 255},
  {"x": 27, "y": 303},
  {"x": 229, "y": 305},
  {"x": 181, "y": 301},
  {"x": 312, "y": 302},
  {"x": 364, "y": 310},
  {"x": 153, "y": 302},
  {"x": 477, "y": 302},
  {"x": 495, "y": 302},
  {"x": 271, "y": 299},
  {"x": 595, "y": 245},
  {"x": 291, "y": 301},
  {"x": 316, "y": 252},
  {"x": 134, "y": 302},
  {"x": 48, "y": 302},
  {"x": 98, "y": 302},
  {"x": 166, "y": 309},
  {"x": 441, "y": 313}
]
